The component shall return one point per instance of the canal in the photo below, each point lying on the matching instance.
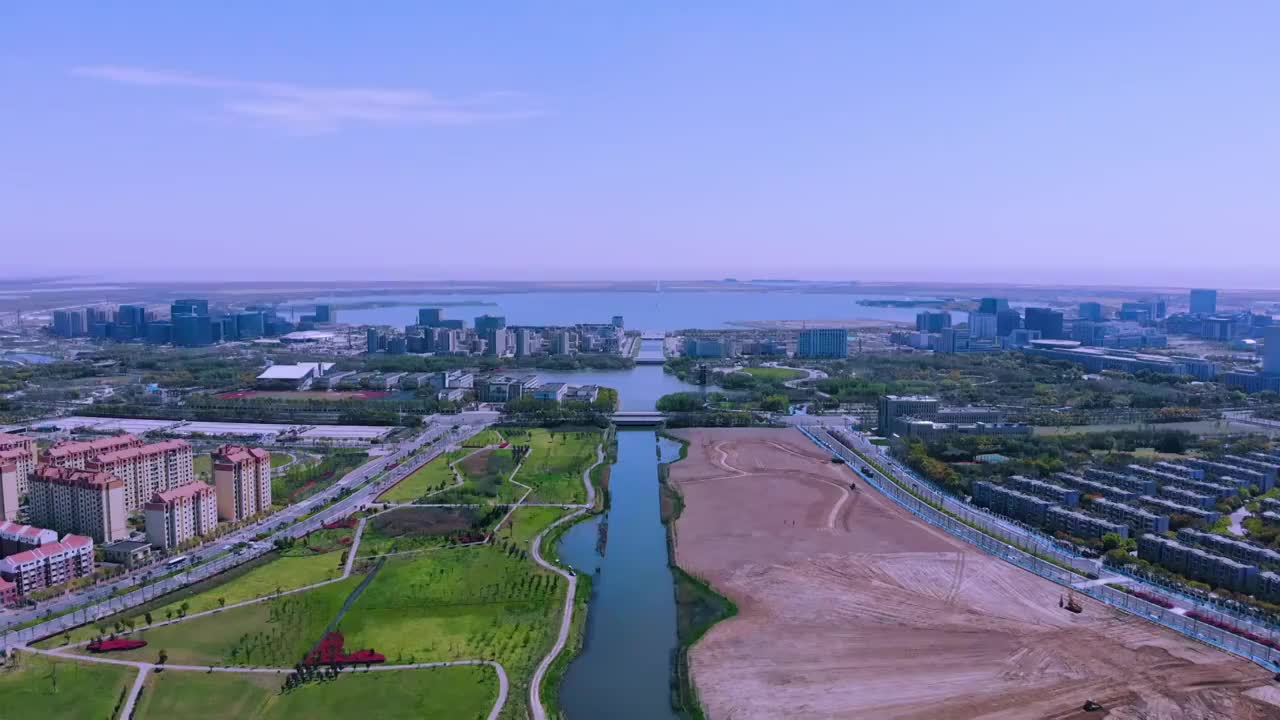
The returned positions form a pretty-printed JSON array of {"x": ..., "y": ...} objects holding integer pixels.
[{"x": 624, "y": 669}]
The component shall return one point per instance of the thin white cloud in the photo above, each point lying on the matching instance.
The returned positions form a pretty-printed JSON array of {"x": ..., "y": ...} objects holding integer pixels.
[{"x": 313, "y": 109}]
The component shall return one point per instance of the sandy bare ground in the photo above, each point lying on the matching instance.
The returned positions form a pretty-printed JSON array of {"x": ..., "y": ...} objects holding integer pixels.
[{"x": 852, "y": 608}]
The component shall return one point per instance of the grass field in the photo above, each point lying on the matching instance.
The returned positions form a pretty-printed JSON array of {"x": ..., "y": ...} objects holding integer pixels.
[
  {"x": 254, "y": 579},
  {"x": 273, "y": 633},
  {"x": 37, "y": 686},
  {"x": 480, "y": 602},
  {"x": 485, "y": 437},
  {"x": 202, "y": 464},
  {"x": 432, "y": 476},
  {"x": 555, "y": 462},
  {"x": 774, "y": 374},
  {"x": 484, "y": 479},
  {"x": 464, "y": 693},
  {"x": 417, "y": 528}
]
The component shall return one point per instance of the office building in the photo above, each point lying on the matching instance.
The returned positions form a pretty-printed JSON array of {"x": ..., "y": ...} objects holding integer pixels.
[
  {"x": 147, "y": 469},
  {"x": 982, "y": 326},
  {"x": 1271, "y": 350},
  {"x": 242, "y": 480},
  {"x": 823, "y": 343},
  {"x": 16, "y": 538},
  {"x": 1079, "y": 525},
  {"x": 1204, "y": 302},
  {"x": 374, "y": 341},
  {"x": 486, "y": 324},
  {"x": 527, "y": 342},
  {"x": 892, "y": 407},
  {"x": 1007, "y": 321},
  {"x": 1047, "y": 321},
  {"x": 184, "y": 513},
  {"x": 49, "y": 565},
  {"x": 953, "y": 340},
  {"x": 703, "y": 347},
  {"x": 495, "y": 341},
  {"x": 249, "y": 325},
  {"x": 1091, "y": 311},
  {"x": 991, "y": 306},
  {"x": 129, "y": 553},
  {"x": 932, "y": 322},
  {"x": 192, "y": 330},
  {"x": 84, "y": 502},
  {"x": 504, "y": 388},
  {"x": 326, "y": 314},
  {"x": 430, "y": 317}
]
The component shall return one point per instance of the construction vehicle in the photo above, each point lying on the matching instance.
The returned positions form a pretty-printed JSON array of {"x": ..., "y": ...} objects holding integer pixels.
[
  {"x": 1072, "y": 604},
  {"x": 1091, "y": 706}
]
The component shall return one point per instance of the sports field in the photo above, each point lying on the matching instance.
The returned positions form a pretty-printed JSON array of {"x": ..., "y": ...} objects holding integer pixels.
[
  {"x": 852, "y": 607},
  {"x": 774, "y": 374}
]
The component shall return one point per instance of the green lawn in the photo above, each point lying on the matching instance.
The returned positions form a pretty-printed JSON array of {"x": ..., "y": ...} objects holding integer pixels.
[
  {"x": 202, "y": 464},
  {"x": 418, "y": 528},
  {"x": 484, "y": 479},
  {"x": 280, "y": 458},
  {"x": 481, "y": 602},
  {"x": 273, "y": 633},
  {"x": 526, "y": 522},
  {"x": 463, "y": 692},
  {"x": 37, "y": 686},
  {"x": 259, "y": 579},
  {"x": 774, "y": 374},
  {"x": 555, "y": 462},
  {"x": 435, "y": 475},
  {"x": 485, "y": 437}
]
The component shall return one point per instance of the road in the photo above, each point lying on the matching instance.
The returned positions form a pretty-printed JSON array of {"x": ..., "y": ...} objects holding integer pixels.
[
  {"x": 566, "y": 621},
  {"x": 284, "y": 524}
]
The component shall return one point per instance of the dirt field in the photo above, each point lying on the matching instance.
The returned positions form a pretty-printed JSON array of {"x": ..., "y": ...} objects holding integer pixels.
[{"x": 852, "y": 608}]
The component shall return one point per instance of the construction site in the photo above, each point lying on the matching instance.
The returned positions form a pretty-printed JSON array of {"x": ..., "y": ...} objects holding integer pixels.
[{"x": 851, "y": 607}]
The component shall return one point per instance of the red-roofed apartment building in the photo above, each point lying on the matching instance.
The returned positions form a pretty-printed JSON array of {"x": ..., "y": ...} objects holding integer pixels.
[
  {"x": 15, "y": 538},
  {"x": 49, "y": 565},
  {"x": 242, "y": 476},
  {"x": 147, "y": 469},
  {"x": 17, "y": 462},
  {"x": 75, "y": 453},
  {"x": 178, "y": 515},
  {"x": 79, "y": 501}
]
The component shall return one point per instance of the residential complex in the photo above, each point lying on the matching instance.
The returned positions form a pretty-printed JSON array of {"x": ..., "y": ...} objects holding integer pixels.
[
  {"x": 242, "y": 481},
  {"x": 147, "y": 469},
  {"x": 186, "y": 512},
  {"x": 1197, "y": 564},
  {"x": 47, "y": 565},
  {"x": 76, "y": 453},
  {"x": 17, "y": 457},
  {"x": 823, "y": 343},
  {"x": 84, "y": 502},
  {"x": 15, "y": 538}
]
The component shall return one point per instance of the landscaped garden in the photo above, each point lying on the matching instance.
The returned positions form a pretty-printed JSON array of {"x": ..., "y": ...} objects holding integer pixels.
[
  {"x": 408, "y": 529},
  {"x": 484, "y": 479},
  {"x": 555, "y": 462},
  {"x": 435, "y": 475}
]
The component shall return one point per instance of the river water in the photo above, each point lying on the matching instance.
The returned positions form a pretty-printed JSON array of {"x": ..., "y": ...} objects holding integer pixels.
[
  {"x": 624, "y": 670},
  {"x": 643, "y": 310}
]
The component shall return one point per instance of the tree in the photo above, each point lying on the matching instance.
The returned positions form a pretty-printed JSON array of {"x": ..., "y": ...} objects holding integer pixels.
[
  {"x": 182, "y": 609},
  {"x": 222, "y": 602},
  {"x": 147, "y": 617},
  {"x": 1111, "y": 541},
  {"x": 164, "y": 657}
]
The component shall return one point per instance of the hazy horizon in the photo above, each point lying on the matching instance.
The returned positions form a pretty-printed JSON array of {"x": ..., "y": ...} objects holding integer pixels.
[{"x": 991, "y": 142}]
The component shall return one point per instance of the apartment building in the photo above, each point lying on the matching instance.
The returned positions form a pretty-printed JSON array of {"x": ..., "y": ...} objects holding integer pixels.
[
  {"x": 1238, "y": 474},
  {"x": 9, "y": 489},
  {"x": 75, "y": 453},
  {"x": 1186, "y": 497},
  {"x": 147, "y": 469},
  {"x": 1238, "y": 550},
  {"x": 178, "y": 515},
  {"x": 83, "y": 502},
  {"x": 242, "y": 480},
  {"x": 1165, "y": 505},
  {"x": 1065, "y": 496},
  {"x": 1142, "y": 486},
  {"x": 1011, "y": 503},
  {"x": 15, "y": 538},
  {"x": 49, "y": 565},
  {"x": 17, "y": 462},
  {"x": 1139, "y": 520},
  {"x": 1078, "y": 524},
  {"x": 1091, "y": 487}
]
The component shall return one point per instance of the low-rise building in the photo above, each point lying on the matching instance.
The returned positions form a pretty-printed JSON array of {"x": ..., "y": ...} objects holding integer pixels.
[
  {"x": 1187, "y": 497},
  {"x": 297, "y": 376},
  {"x": 49, "y": 565},
  {"x": 15, "y": 538},
  {"x": 129, "y": 553},
  {"x": 1239, "y": 550},
  {"x": 242, "y": 481},
  {"x": 1139, "y": 520},
  {"x": 1263, "y": 481},
  {"x": 83, "y": 502},
  {"x": 1204, "y": 517},
  {"x": 181, "y": 514},
  {"x": 1057, "y": 493},
  {"x": 1011, "y": 503},
  {"x": 1142, "y": 486},
  {"x": 1091, "y": 487},
  {"x": 1081, "y": 525},
  {"x": 553, "y": 391}
]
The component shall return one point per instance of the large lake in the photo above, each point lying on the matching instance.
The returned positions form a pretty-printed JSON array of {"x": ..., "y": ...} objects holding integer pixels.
[{"x": 641, "y": 310}]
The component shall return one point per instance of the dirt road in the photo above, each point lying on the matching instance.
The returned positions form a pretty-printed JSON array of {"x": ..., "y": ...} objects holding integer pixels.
[{"x": 852, "y": 608}]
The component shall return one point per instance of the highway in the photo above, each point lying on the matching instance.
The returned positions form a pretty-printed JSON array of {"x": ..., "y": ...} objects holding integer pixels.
[{"x": 215, "y": 557}]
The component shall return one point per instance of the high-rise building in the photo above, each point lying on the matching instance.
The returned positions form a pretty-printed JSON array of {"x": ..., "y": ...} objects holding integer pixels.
[
  {"x": 189, "y": 306},
  {"x": 178, "y": 515},
  {"x": 65, "y": 323},
  {"x": 242, "y": 479},
  {"x": 932, "y": 322},
  {"x": 564, "y": 342},
  {"x": 1007, "y": 321},
  {"x": 77, "y": 453},
  {"x": 823, "y": 343},
  {"x": 1204, "y": 302},
  {"x": 148, "y": 469},
  {"x": 953, "y": 340},
  {"x": 84, "y": 502},
  {"x": 249, "y": 325},
  {"x": 373, "y": 341},
  {"x": 191, "y": 330},
  {"x": 1091, "y": 311},
  {"x": 1271, "y": 350},
  {"x": 159, "y": 333},
  {"x": 982, "y": 326},
  {"x": 486, "y": 324},
  {"x": 326, "y": 314},
  {"x": 496, "y": 342},
  {"x": 8, "y": 491},
  {"x": 1048, "y": 322},
  {"x": 430, "y": 317},
  {"x": 617, "y": 321},
  {"x": 19, "y": 452},
  {"x": 133, "y": 317},
  {"x": 525, "y": 342},
  {"x": 991, "y": 306}
]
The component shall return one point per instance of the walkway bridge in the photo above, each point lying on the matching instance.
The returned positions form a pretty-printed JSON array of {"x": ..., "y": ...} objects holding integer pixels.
[{"x": 638, "y": 418}]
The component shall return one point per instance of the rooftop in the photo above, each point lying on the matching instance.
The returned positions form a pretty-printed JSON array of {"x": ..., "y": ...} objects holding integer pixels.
[
  {"x": 189, "y": 490},
  {"x": 101, "y": 445},
  {"x": 299, "y": 371},
  {"x": 143, "y": 451}
]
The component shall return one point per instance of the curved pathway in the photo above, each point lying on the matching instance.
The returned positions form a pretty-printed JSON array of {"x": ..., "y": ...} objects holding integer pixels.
[{"x": 566, "y": 622}]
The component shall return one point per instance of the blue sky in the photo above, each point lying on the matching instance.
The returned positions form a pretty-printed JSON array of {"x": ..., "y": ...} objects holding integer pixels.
[{"x": 1090, "y": 142}]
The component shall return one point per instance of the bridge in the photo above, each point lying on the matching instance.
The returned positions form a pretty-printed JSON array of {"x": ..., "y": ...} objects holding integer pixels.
[
  {"x": 638, "y": 418},
  {"x": 651, "y": 355}
]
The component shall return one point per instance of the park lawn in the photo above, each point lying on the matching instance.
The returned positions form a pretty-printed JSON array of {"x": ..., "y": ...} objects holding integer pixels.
[
  {"x": 484, "y": 438},
  {"x": 555, "y": 463},
  {"x": 37, "y": 686},
  {"x": 202, "y": 465},
  {"x": 526, "y": 522},
  {"x": 280, "y": 458},
  {"x": 774, "y": 374},
  {"x": 321, "y": 542},
  {"x": 484, "y": 479},
  {"x": 434, "y": 475},
  {"x": 463, "y": 692},
  {"x": 272, "y": 633},
  {"x": 233, "y": 586},
  {"x": 459, "y": 604},
  {"x": 407, "y": 529}
]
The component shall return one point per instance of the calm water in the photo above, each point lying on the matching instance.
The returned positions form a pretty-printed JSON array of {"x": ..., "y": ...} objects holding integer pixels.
[
  {"x": 624, "y": 669},
  {"x": 638, "y": 388},
  {"x": 641, "y": 310}
]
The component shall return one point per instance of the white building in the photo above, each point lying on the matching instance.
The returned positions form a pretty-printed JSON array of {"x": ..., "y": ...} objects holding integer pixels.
[{"x": 295, "y": 377}]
